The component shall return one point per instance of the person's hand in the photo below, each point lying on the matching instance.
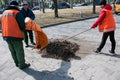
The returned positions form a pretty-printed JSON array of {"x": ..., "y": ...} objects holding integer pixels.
[{"x": 93, "y": 27}]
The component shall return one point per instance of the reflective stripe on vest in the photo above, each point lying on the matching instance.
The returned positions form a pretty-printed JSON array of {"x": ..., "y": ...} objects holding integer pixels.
[
  {"x": 108, "y": 24},
  {"x": 7, "y": 14},
  {"x": 10, "y": 26}
]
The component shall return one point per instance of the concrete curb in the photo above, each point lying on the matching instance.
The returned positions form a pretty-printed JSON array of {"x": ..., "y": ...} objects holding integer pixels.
[
  {"x": 51, "y": 25},
  {"x": 67, "y": 22}
]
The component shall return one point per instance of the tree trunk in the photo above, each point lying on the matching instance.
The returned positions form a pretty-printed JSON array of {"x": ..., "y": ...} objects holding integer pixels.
[
  {"x": 94, "y": 7},
  {"x": 55, "y": 8},
  {"x": 39, "y": 5},
  {"x": 71, "y": 4},
  {"x": 43, "y": 6}
]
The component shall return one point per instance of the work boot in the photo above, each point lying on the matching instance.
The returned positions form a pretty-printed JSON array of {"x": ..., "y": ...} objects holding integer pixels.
[
  {"x": 97, "y": 51},
  {"x": 33, "y": 43},
  {"x": 26, "y": 65},
  {"x": 113, "y": 52},
  {"x": 27, "y": 45}
]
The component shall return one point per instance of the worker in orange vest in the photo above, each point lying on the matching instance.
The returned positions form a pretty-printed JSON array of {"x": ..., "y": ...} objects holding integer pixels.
[
  {"x": 106, "y": 24},
  {"x": 12, "y": 26}
]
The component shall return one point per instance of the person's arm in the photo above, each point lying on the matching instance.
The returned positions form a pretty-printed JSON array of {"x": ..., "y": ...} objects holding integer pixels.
[
  {"x": 32, "y": 15},
  {"x": 100, "y": 19},
  {"x": 20, "y": 20}
]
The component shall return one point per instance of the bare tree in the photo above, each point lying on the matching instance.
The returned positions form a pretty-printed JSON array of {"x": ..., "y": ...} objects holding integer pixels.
[
  {"x": 43, "y": 6},
  {"x": 2, "y": 2},
  {"x": 94, "y": 7},
  {"x": 55, "y": 8},
  {"x": 71, "y": 2},
  {"x": 39, "y": 4}
]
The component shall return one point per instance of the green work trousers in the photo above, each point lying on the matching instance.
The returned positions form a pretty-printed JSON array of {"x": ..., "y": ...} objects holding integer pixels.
[{"x": 17, "y": 52}]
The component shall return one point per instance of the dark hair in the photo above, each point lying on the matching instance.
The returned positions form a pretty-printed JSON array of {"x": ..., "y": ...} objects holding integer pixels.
[
  {"x": 102, "y": 2},
  {"x": 14, "y": 3}
]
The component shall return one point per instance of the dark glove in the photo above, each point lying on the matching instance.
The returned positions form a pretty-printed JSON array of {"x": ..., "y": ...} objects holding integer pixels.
[{"x": 93, "y": 27}]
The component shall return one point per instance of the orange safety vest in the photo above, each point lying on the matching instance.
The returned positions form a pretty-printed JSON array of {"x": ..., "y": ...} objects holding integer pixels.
[
  {"x": 108, "y": 24},
  {"x": 10, "y": 27}
]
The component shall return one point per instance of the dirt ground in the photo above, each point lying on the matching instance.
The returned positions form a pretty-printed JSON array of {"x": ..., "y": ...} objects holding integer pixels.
[{"x": 86, "y": 47}]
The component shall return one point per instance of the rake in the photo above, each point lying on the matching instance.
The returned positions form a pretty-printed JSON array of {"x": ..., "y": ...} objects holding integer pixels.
[{"x": 78, "y": 34}]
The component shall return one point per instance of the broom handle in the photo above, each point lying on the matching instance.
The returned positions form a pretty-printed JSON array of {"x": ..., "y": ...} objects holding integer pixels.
[{"x": 78, "y": 34}]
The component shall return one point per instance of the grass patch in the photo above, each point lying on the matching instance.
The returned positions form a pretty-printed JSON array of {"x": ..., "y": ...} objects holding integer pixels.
[{"x": 47, "y": 18}]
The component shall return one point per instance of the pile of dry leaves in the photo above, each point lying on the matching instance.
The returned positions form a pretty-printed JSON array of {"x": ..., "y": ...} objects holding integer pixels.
[{"x": 60, "y": 49}]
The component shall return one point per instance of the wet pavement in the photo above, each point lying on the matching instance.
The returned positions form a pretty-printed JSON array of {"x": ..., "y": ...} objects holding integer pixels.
[{"x": 88, "y": 65}]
